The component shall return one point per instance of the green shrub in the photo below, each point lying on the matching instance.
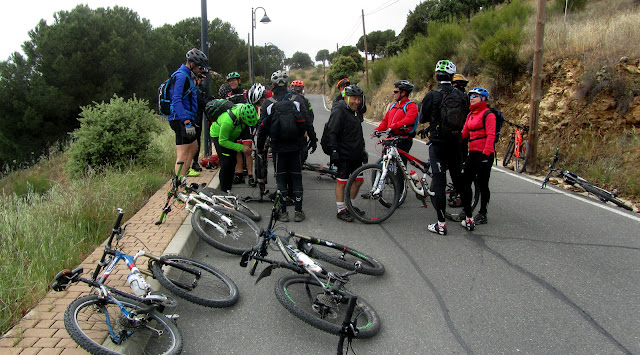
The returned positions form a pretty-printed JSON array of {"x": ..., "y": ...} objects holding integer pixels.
[
  {"x": 112, "y": 134},
  {"x": 379, "y": 70},
  {"x": 34, "y": 185},
  {"x": 570, "y": 5},
  {"x": 342, "y": 67}
]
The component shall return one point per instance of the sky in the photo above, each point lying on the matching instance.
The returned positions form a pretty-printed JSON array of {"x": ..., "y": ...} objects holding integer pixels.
[{"x": 295, "y": 26}]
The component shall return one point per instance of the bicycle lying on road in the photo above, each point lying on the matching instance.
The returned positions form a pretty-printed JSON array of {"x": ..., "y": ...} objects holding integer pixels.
[
  {"x": 573, "y": 179},
  {"x": 317, "y": 295},
  {"x": 322, "y": 170},
  {"x": 221, "y": 227},
  {"x": 112, "y": 321},
  {"x": 381, "y": 191},
  {"x": 517, "y": 147}
]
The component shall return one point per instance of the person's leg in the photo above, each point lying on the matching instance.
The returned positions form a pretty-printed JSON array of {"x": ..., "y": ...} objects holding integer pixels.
[
  {"x": 341, "y": 183},
  {"x": 280, "y": 162},
  {"x": 471, "y": 167},
  {"x": 484, "y": 173},
  {"x": 227, "y": 164},
  {"x": 184, "y": 151}
]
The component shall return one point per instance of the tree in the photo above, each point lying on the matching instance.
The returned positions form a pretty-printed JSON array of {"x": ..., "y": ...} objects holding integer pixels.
[
  {"x": 343, "y": 67},
  {"x": 322, "y": 56},
  {"x": 300, "y": 60},
  {"x": 377, "y": 42},
  {"x": 347, "y": 50}
]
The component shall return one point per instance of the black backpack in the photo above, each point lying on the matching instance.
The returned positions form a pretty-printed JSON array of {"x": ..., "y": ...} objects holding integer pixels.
[
  {"x": 324, "y": 141},
  {"x": 285, "y": 118},
  {"x": 216, "y": 107},
  {"x": 452, "y": 112},
  {"x": 164, "y": 99}
]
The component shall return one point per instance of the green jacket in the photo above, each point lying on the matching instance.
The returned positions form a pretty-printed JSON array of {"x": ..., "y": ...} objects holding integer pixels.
[{"x": 226, "y": 131}]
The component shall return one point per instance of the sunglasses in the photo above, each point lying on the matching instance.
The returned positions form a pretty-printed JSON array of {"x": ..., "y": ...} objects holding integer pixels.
[
  {"x": 474, "y": 95},
  {"x": 396, "y": 91}
]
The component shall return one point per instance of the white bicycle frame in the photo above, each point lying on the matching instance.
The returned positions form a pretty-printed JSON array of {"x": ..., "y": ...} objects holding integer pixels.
[{"x": 392, "y": 154}]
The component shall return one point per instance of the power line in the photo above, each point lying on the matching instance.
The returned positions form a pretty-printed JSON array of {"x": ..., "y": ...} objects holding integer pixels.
[{"x": 380, "y": 8}]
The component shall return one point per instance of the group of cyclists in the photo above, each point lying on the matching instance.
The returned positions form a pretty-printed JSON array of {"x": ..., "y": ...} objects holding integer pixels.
[{"x": 260, "y": 115}]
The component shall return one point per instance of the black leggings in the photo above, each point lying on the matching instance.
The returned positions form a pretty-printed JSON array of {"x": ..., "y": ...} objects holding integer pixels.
[
  {"x": 479, "y": 165},
  {"x": 289, "y": 177},
  {"x": 227, "y": 164},
  {"x": 443, "y": 157}
]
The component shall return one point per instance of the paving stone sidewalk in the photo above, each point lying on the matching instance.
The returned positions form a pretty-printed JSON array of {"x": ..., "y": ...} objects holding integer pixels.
[{"x": 41, "y": 331}]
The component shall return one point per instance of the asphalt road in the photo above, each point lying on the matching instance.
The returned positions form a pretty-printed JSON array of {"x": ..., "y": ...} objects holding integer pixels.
[{"x": 551, "y": 273}]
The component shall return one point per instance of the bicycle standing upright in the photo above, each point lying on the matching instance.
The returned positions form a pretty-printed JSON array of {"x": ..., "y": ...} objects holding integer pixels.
[{"x": 517, "y": 147}]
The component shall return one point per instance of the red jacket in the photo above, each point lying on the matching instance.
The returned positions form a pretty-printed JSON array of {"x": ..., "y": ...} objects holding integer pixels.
[
  {"x": 396, "y": 118},
  {"x": 482, "y": 135}
]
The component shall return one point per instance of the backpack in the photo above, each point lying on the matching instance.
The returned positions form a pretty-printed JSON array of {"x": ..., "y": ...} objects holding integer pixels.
[
  {"x": 499, "y": 122},
  {"x": 216, "y": 107},
  {"x": 164, "y": 98},
  {"x": 411, "y": 133},
  {"x": 285, "y": 117},
  {"x": 452, "y": 112},
  {"x": 324, "y": 141}
]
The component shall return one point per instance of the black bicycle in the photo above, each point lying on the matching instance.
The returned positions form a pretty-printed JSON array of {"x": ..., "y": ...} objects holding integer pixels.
[
  {"x": 574, "y": 180},
  {"x": 315, "y": 294}
]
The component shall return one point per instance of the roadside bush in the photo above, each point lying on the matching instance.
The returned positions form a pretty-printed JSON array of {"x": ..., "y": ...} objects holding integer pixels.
[
  {"x": 113, "y": 134},
  {"x": 379, "y": 70},
  {"x": 342, "y": 67}
]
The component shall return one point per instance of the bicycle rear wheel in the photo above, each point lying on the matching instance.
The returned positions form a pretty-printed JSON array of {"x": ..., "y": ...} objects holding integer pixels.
[
  {"x": 202, "y": 284},
  {"x": 212, "y": 225},
  {"x": 305, "y": 298},
  {"x": 508, "y": 154},
  {"x": 376, "y": 200},
  {"x": 241, "y": 206},
  {"x": 88, "y": 320},
  {"x": 605, "y": 196},
  {"x": 342, "y": 256},
  {"x": 521, "y": 161}
]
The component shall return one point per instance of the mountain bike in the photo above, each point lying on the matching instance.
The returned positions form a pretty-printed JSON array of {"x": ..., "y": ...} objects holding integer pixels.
[
  {"x": 322, "y": 170},
  {"x": 573, "y": 179},
  {"x": 216, "y": 197},
  {"x": 517, "y": 147},
  {"x": 315, "y": 294},
  {"x": 380, "y": 193},
  {"x": 221, "y": 227}
]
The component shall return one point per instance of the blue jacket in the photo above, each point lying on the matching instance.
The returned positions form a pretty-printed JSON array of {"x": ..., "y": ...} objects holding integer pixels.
[{"x": 183, "y": 109}]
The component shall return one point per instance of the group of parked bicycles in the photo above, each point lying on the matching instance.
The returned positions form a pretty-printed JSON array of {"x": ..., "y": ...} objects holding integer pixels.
[{"x": 113, "y": 321}]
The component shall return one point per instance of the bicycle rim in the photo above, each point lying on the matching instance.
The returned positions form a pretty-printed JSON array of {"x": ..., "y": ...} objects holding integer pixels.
[
  {"x": 305, "y": 298},
  {"x": 86, "y": 320},
  {"x": 376, "y": 200},
  {"x": 213, "y": 228},
  {"x": 521, "y": 161},
  {"x": 206, "y": 285}
]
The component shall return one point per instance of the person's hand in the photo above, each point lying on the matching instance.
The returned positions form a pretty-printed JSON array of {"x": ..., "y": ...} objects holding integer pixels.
[
  {"x": 246, "y": 149},
  {"x": 388, "y": 132},
  {"x": 313, "y": 145},
  {"x": 190, "y": 130},
  {"x": 485, "y": 158},
  {"x": 376, "y": 133},
  {"x": 424, "y": 132},
  {"x": 334, "y": 157}
]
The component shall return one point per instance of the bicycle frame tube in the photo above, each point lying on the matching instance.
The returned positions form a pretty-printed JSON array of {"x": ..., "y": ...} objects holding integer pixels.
[
  {"x": 396, "y": 154},
  {"x": 516, "y": 152}
]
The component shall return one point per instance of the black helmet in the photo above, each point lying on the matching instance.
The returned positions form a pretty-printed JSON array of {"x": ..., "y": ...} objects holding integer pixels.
[
  {"x": 404, "y": 85},
  {"x": 353, "y": 90},
  {"x": 197, "y": 56}
]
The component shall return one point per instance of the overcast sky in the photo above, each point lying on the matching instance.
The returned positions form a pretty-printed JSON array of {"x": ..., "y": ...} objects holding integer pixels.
[{"x": 303, "y": 26}]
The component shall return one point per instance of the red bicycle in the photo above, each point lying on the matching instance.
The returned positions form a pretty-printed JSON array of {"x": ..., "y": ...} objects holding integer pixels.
[{"x": 517, "y": 147}]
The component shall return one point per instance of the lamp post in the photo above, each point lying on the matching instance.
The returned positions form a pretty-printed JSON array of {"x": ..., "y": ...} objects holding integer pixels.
[
  {"x": 265, "y": 59},
  {"x": 265, "y": 19}
]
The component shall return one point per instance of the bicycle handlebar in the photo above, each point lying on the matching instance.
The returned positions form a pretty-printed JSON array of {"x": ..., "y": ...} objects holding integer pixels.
[{"x": 522, "y": 127}]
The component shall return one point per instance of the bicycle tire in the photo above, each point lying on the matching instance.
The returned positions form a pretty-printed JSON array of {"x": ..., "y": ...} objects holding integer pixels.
[
  {"x": 241, "y": 206},
  {"x": 376, "y": 208},
  {"x": 605, "y": 196},
  {"x": 508, "y": 154},
  {"x": 521, "y": 161},
  {"x": 343, "y": 257},
  {"x": 402, "y": 185},
  {"x": 295, "y": 293},
  {"x": 86, "y": 323},
  {"x": 233, "y": 239},
  {"x": 212, "y": 288}
]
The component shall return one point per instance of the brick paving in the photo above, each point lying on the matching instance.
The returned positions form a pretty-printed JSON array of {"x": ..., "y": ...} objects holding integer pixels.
[{"x": 41, "y": 330}]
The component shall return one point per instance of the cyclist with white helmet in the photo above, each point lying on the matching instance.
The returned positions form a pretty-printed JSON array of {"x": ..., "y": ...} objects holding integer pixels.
[{"x": 444, "y": 150}]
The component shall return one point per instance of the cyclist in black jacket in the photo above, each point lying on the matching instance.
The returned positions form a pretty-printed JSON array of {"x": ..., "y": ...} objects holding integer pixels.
[
  {"x": 287, "y": 154},
  {"x": 444, "y": 150},
  {"x": 346, "y": 143},
  {"x": 343, "y": 83}
]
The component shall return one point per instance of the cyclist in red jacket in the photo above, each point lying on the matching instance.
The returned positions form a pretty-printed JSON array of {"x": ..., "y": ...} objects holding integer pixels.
[{"x": 481, "y": 131}]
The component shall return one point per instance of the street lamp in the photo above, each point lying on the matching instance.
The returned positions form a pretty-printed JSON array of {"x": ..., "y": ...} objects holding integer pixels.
[{"x": 265, "y": 19}]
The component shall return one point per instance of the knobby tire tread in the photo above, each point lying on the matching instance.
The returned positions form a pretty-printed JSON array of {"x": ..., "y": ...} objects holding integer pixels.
[{"x": 235, "y": 240}]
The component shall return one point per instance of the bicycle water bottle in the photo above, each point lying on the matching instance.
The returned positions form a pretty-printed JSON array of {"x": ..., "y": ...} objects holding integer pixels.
[
  {"x": 306, "y": 261},
  {"x": 415, "y": 177},
  {"x": 137, "y": 283}
]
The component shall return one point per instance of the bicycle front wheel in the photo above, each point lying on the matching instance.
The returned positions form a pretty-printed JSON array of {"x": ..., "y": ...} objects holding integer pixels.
[
  {"x": 508, "y": 154},
  {"x": 521, "y": 161},
  {"x": 605, "y": 196},
  {"x": 305, "y": 298},
  {"x": 100, "y": 327},
  {"x": 225, "y": 229},
  {"x": 195, "y": 281},
  {"x": 376, "y": 199},
  {"x": 343, "y": 256}
]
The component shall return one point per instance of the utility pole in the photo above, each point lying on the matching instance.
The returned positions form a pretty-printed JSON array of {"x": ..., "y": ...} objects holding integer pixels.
[
  {"x": 366, "y": 62},
  {"x": 249, "y": 53},
  {"x": 536, "y": 86}
]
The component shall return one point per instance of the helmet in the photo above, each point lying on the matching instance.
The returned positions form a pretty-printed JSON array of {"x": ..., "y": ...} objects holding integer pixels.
[
  {"x": 233, "y": 75},
  {"x": 446, "y": 66},
  {"x": 298, "y": 83},
  {"x": 248, "y": 114},
  {"x": 279, "y": 78},
  {"x": 297, "y": 86},
  {"x": 404, "y": 85},
  {"x": 342, "y": 83},
  {"x": 352, "y": 90},
  {"x": 460, "y": 78},
  {"x": 197, "y": 56},
  {"x": 480, "y": 91},
  {"x": 256, "y": 93},
  {"x": 224, "y": 90}
]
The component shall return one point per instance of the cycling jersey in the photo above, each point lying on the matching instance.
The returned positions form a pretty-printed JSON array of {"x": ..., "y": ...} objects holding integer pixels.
[
  {"x": 480, "y": 131},
  {"x": 182, "y": 108},
  {"x": 226, "y": 131},
  {"x": 396, "y": 117}
]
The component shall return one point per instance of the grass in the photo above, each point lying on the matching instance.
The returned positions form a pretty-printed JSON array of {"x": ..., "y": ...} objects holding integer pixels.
[{"x": 42, "y": 233}]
